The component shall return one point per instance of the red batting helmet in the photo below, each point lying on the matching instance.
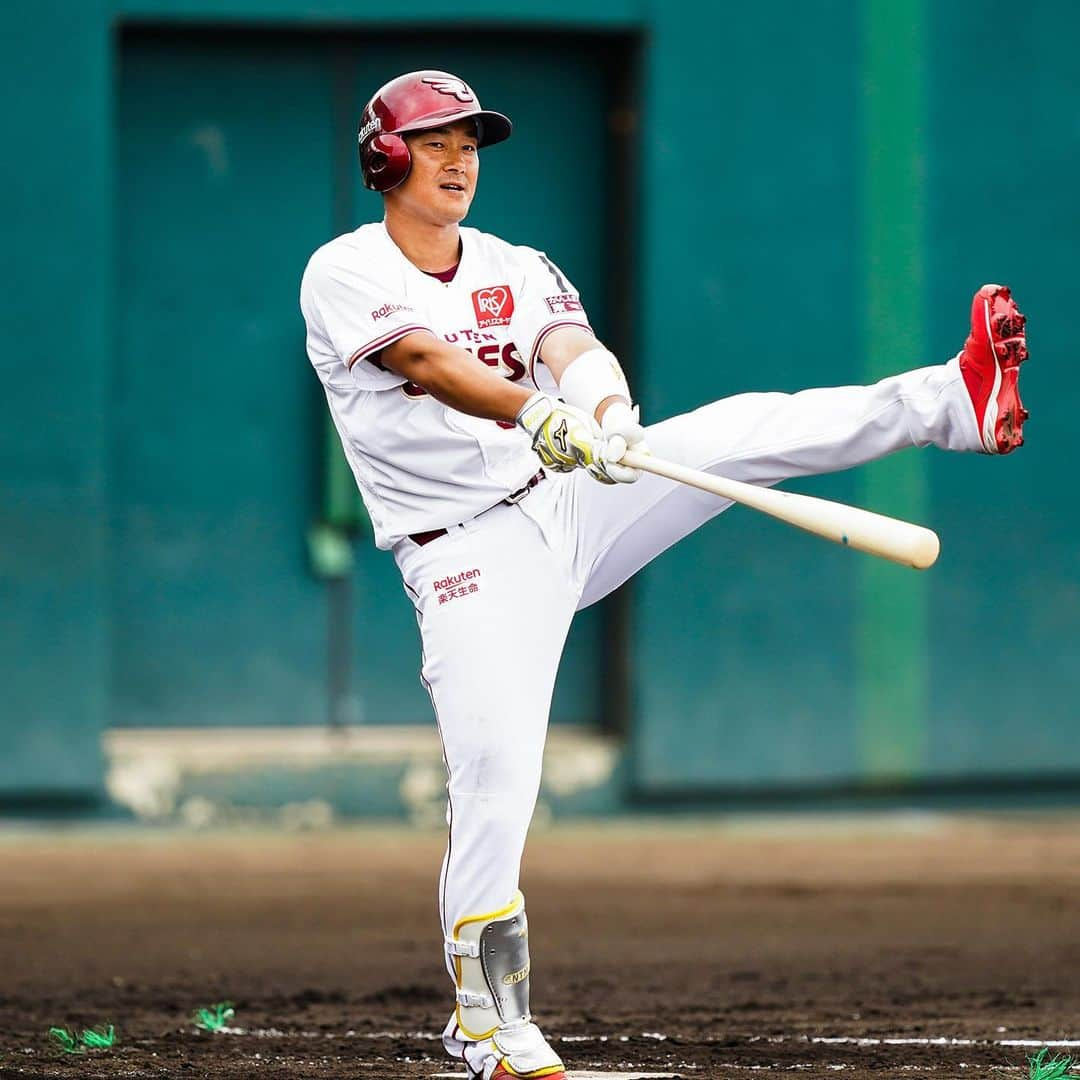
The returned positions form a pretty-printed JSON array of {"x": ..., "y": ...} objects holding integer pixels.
[{"x": 416, "y": 102}]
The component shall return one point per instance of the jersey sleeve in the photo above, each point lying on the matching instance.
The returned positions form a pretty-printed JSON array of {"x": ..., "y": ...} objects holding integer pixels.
[
  {"x": 352, "y": 315},
  {"x": 548, "y": 301}
]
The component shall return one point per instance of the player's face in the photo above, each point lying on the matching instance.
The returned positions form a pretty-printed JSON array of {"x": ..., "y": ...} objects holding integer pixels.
[{"x": 442, "y": 181}]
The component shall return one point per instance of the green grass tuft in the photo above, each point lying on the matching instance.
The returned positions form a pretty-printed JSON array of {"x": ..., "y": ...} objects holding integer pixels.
[
  {"x": 213, "y": 1017},
  {"x": 65, "y": 1040},
  {"x": 70, "y": 1042},
  {"x": 99, "y": 1038},
  {"x": 1056, "y": 1068}
]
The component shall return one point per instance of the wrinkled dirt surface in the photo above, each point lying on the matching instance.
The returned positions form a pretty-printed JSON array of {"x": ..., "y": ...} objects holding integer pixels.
[{"x": 740, "y": 944}]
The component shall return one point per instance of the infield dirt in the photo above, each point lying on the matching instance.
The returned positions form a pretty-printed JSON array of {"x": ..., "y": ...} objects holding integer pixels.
[{"x": 699, "y": 948}]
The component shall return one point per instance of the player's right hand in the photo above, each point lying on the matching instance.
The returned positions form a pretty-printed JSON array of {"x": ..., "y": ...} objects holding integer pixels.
[
  {"x": 622, "y": 430},
  {"x": 566, "y": 438}
]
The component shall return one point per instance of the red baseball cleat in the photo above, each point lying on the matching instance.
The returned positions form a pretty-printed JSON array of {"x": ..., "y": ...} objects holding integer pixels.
[{"x": 990, "y": 363}]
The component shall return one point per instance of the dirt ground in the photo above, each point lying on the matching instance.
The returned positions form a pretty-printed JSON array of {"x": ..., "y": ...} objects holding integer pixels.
[{"x": 703, "y": 949}]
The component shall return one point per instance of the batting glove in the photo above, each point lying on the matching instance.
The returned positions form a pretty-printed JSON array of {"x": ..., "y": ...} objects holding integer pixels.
[
  {"x": 621, "y": 425},
  {"x": 567, "y": 438}
]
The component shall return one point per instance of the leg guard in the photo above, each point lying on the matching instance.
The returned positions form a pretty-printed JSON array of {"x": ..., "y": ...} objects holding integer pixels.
[
  {"x": 491, "y": 968},
  {"x": 491, "y": 1028}
]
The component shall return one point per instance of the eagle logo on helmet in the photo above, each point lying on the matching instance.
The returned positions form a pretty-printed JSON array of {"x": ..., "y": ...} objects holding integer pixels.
[{"x": 452, "y": 87}]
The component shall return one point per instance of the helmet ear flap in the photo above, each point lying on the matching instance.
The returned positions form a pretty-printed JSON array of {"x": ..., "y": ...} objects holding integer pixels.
[{"x": 384, "y": 161}]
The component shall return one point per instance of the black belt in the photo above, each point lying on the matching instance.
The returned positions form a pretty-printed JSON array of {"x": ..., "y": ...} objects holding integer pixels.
[{"x": 422, "y": 538}]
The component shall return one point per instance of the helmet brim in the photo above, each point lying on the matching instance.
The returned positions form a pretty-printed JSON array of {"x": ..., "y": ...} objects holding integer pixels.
[{"x": 493, "y": 127}]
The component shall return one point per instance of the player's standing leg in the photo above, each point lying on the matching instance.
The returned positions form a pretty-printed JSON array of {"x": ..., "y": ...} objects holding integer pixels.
[{"x": 494, "y": 600}]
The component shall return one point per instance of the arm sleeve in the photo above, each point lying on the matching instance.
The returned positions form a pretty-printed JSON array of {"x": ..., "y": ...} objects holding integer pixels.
[
  {"x": 548, "y": 301},
  {"x": 351, "y": 315}
]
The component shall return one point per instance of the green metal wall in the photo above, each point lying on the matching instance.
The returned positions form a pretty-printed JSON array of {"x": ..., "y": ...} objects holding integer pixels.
[
  {"x": 55, "y": 309},
  {"x": 819, "y": 198},
  {"x": 751, "y": 283},
  {"x": 1003, "y": 636},
  {"x": 888, "y": 158}
]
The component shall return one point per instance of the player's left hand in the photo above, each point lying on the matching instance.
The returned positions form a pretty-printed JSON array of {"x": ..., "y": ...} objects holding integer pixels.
[{"x": 622, "y": 431}]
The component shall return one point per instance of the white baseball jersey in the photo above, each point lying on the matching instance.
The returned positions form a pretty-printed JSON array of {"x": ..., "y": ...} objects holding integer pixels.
[{"x": 419, "y": 464}]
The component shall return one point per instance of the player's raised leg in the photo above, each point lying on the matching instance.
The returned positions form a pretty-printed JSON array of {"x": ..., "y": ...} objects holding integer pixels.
[
  {"x": 970, "y": 403},
  {"x": 494, "y": 603}
]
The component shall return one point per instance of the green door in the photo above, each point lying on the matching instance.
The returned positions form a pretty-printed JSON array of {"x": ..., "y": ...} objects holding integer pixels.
[
  {"x": 235, "y": 162},
  {"x": 222, "y": 180},
  {"x": 526, "y": 195}
]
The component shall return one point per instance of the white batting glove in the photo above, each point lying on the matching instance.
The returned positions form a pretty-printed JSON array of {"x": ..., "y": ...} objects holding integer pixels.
[{"x": 622, "y": 431}]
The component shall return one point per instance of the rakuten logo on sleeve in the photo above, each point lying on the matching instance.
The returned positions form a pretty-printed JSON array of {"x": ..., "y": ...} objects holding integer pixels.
[{"x": 387, "y": 310}]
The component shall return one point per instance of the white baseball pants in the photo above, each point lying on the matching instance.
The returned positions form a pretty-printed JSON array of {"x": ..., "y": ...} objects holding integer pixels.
[{"x": 495, "y": 596}]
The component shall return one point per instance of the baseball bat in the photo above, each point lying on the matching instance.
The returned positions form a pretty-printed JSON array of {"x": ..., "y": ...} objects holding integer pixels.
[{"x": 876, "y": 534}]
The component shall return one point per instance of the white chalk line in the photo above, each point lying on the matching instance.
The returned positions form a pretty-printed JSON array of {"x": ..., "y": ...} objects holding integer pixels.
[
  {"x": 657, "y": 1036},
  {"x": 423, "y": 1036},
  {"x": 938, "y": 1041}
]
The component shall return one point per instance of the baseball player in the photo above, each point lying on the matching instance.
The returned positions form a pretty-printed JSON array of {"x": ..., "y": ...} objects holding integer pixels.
[{"x": 484, "y": 423}]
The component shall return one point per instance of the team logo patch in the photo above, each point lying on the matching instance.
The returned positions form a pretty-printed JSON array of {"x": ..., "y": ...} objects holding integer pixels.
[
  {"x": 493, "y": 306},
  {"x": 455, "y": 88},
  {"x": 564, "y": 302}
]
